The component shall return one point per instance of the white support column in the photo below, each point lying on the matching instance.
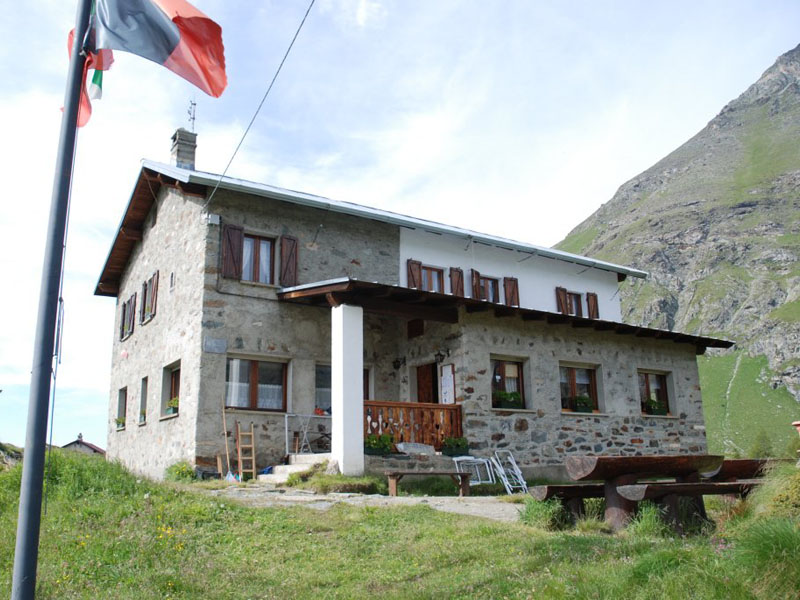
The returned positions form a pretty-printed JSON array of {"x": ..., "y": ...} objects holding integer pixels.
[{"x": 347, "y": 388}]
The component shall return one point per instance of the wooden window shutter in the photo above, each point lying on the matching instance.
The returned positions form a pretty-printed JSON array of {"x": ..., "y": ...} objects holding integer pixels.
[
  {"x": 142, "y": 308},
  {"x": 511, "y": 289},
  {"x": 591, "y": 304},
  {"x": 153, "y": 293},
  {"x": 456, "y": 282},
  {"x": 414, "y": 273},
  {"x": 288, "y": 261},
  {"x": 561, "y": 300},
  {"x": 476, "y": 284},
  {"x": 232, "y": 242}
]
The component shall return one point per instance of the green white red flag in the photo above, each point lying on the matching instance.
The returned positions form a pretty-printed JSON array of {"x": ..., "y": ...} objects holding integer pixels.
[{"x": 172, "y": 33}]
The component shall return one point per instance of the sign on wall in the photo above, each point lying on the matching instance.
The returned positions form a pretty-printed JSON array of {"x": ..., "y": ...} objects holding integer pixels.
[{"x": 447, "y": 381}]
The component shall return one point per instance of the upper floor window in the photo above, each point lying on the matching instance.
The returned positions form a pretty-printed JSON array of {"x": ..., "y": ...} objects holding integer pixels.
[
  {"x": 571, "y": 303},
  {"x": 485, "y": 288},
  {"x": 149, "y": 297},
  {"x": 507, "y": 390},
  {"x": 653, "y": 393},
  {"x": 432, "y": 279},
  {"x": 255, "y": 384},
  {"x": 128, "y": 317},
  {"x": 578, "y": 389},
  {"x": 253, "y": 257},
  {"x": 257, "y": 259}
]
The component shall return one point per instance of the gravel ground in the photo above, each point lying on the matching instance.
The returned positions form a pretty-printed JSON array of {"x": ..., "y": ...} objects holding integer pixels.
[{"x": 488, "y": 507}]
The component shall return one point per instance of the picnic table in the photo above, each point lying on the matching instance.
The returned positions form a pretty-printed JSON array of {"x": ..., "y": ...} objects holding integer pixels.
[{"x": 617, "y": 471}]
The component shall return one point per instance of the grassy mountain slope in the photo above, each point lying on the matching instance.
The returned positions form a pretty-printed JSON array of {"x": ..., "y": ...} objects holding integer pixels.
[{"x": 716, "y": 223}]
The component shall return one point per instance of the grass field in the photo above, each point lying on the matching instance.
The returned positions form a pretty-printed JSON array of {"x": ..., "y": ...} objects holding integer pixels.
[
  {"x": 738, "y": 403},
  {"x": 108, "y": 535}
]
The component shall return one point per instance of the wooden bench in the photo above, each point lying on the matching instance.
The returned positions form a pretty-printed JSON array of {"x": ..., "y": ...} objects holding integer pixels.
[
  {"x": 653, "y": 491},
  {"x": 460, "y": 479},
  {"x": 746, "y": 468},
  {"x": 570, "y": 495}
]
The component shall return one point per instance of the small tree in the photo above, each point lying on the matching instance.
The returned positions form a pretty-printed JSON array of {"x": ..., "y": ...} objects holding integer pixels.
[{"x": 762, "y": 446}]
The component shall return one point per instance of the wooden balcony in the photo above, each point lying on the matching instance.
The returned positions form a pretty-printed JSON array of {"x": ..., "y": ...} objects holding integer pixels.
[{"x": 417, "y": 422}]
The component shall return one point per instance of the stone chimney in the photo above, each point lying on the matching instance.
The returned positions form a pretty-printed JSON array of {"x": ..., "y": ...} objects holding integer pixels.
[{"x": 184, "y": 144}]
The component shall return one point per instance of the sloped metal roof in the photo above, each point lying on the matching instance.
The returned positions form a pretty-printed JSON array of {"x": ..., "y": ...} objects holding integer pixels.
[{"x": 154, "y": 173}]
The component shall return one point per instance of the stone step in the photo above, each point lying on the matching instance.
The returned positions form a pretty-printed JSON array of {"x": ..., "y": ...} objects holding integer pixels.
[{"x": 308, "y": 459}]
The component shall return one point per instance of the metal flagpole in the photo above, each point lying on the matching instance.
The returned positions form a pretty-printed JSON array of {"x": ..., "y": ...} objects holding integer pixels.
[{"x": 30, "y": 493}]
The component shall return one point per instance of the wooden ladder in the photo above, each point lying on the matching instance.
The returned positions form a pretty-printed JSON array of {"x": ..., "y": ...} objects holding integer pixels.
[{"x": 246, "y": 451}]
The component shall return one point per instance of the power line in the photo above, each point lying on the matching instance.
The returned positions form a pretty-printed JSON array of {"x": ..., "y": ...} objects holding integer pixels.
[{"x": 246, "y": 131}]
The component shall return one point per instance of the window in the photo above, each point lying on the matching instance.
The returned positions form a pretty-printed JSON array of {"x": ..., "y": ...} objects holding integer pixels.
[
  {"x": 488, "y": 289},
  {"x": 171, "y": 389},
  {"x": 653, "y": 393},
  {"x": 122, "y": 407},
  {"x": 507, "y": 390},
  {"x": 149, "y": 295},
  {"x": 432, "y": 279},
  {"x": 128, "y": 318},
  {"x": 255, "y": 384},
  {"x": 322, "y": 393},
  {"x": 143, "y": 402},
  {"x": 574, "y": 304},
  {"x": 257, "y": 259},
  {"x": 578, "y": 389}
]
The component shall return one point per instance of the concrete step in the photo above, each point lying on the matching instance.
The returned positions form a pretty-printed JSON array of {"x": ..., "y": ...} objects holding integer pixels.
[
  {"x": 298, "y": 463},
  {"x": 308, "y": 459}
]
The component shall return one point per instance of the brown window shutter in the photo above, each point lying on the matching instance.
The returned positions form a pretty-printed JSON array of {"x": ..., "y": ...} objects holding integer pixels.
[
  {"x": 511, "y": 289},
  {"x": 154, "y": 294},
  {"x": 456, "y": 282},
  {"x": 288, "y": 261},
  {"x": 591, "y": 304},
  {"x": 132, "y": 311},
  {"x": 232, "y": 242},
  {"x": 476, "y": 284},
  {"x": 561, "y": 300},
  {"x": 414, "y": 273},
  {"x": 142, "y": 316}
]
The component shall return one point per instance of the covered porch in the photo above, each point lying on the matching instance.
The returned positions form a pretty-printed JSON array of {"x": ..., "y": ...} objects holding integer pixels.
[{"x": 422, "y": 408}]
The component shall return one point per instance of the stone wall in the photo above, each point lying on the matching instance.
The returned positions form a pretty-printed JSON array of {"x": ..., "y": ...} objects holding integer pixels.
[
  {"x": 542, "y": 435},
  {"x": 246, "y": 320},
  {"x": 173, "y": 245}
]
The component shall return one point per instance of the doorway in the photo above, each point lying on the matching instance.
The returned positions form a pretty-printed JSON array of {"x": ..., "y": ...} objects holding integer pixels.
[{"x": 427, "y": 384}]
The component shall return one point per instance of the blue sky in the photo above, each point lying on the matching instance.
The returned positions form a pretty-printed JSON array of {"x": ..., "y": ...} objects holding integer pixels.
[{"x": 517, "y": 118}]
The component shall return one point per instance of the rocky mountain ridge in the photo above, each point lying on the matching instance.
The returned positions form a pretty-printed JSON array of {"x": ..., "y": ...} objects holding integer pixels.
[{"x": 716, "y": 223}]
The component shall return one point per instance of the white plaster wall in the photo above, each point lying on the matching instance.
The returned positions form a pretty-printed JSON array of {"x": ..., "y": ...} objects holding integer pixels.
[{"x": 538, "y": 276}]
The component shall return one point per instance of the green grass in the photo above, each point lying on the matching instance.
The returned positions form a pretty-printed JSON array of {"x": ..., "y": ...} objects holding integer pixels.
[
  {"x": 734, "y": 420},
  {"x": 788, "y": 312},
  {"x": 108, "y": 534},
  {"x": 576, "y": 243}
]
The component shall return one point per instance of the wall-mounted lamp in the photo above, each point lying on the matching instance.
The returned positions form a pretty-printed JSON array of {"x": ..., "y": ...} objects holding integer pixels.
[
  {"x": 399, "y": 362},
  {"x": 440, "y": 356}
]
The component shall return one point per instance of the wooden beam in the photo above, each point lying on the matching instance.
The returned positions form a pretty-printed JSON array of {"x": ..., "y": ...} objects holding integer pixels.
[
  {"x": 504, "y": 311},
  {"x": 533, "y": 316},
  {"x": 131, "y": 233},
  {"x": 553, "y": 318},
  {"x": 473, "y": 308},
  {"x": 416, "y": 311}
]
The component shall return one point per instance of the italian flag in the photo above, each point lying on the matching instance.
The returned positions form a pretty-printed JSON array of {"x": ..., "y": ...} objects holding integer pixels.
[{"x": 172, "y": 33}]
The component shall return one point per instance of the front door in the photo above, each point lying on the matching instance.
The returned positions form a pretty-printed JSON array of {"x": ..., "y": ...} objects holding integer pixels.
[{"x": 427, "y": 390}]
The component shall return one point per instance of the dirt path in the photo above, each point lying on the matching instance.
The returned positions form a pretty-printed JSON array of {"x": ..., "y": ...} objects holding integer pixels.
[{"x": 488, "y": 507}]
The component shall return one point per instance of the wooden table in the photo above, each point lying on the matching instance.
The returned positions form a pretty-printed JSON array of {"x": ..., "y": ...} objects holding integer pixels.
[{"x": 616, "y": 471}]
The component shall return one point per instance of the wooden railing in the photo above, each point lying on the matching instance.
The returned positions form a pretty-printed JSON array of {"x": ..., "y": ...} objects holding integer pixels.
[{"x": 417, "y": 422}]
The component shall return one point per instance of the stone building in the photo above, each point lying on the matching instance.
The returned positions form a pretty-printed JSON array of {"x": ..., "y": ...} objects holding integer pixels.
[{"x": 320, "y": 321}]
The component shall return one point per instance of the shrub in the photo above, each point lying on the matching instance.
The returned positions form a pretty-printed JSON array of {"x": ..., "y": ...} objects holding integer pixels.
[
  {"x": 378, "y": 444},
  {"x": 792, "y": 447},
  {"x": 780, "y": 493},
  {"x": 761, "y": 447},
  {"x": 549, "y": 515},
  {"x": 317, "y": 480},
  {"x": 455, "y": 446},
  {"x": 180, "y": 472},
  {"x": 648, "y": 522}
]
